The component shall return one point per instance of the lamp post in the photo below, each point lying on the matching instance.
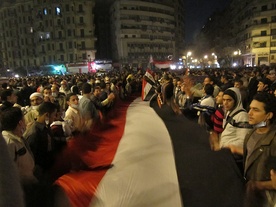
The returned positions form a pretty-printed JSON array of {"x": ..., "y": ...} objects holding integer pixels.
[
  {"x": 205, "y": 58},
  {"x": 235, "y": 53},
  {"x": 215, "y": 61}
]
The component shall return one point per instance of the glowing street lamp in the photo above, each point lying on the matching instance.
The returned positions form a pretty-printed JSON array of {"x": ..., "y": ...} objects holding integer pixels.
[{"x": 188, "y": 55}]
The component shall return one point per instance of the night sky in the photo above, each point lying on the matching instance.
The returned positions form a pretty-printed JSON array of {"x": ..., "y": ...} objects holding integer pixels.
[{"x": 198, "y": 12}]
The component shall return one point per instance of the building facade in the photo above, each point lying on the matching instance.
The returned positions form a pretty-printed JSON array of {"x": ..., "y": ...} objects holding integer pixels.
[
  {"x": 144, "y": 28},
  {"x": 37, "y": 32},
  {"x": 256, "y": 32}
]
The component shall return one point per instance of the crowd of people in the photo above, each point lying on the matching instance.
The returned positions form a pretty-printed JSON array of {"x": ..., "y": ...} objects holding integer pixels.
[
  {"x": 238, "y": 109},
  {"x": 38, "y": 115}
]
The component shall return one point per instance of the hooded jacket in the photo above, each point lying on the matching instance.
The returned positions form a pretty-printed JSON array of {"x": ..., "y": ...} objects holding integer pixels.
[{"x": 233, "y": 135}]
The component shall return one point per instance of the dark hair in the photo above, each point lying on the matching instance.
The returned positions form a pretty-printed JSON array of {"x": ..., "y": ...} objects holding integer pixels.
[
  {"x": 10, "y": 118},
  {"x": 4, "y": 85},
  {"x": 46, "y": 107},
  {"x": 209, "y": 89},
  {"x": 239, "y": 81},
  {"x": 269, "y": 102},
  {"x": 212, "y": 79},
  {"x": 86, "y": 88},
  {"x": 167, "y": 91},
  {"x": 102, "y": 85},
  {"x": 96, "y": 87},
  {"x": 47, "y": 88},
  {"x": 68, "y": 96},
  {"x": 5, "y": 93}
]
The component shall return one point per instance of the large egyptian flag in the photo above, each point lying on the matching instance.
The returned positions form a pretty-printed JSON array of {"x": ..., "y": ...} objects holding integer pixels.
[{"x": 158, "y": 159}]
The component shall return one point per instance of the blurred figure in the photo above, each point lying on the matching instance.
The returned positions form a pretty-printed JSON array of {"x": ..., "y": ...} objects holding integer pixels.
[
  {"x": 13, "y": 126},
  {"x": 8, "y": 98},
  {"x": 59, "y": 98},
  {"x": 64, "y": 87},
  {"x": 10, "y": 188},
  {"x": 238, "y": 83},
  {"x": 73, "y": 113},
  {"x": 272, "y": 77},
  {"x": 217, "y": 120},
  {"x": 41, "y": 141},
  {"x": 87, "y": 108}
]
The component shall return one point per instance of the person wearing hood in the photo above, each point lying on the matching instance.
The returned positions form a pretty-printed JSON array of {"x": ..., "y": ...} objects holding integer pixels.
[{"x": 235, "y": 122}]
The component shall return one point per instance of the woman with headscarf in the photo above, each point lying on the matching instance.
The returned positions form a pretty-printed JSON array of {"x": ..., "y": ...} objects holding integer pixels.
[{"x": 235, "y": 122}]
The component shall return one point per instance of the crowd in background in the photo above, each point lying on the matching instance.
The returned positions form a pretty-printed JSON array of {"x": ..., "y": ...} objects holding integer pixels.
[
  {"x": 238, "y": 110},
  {"x": 40, "y": 114}
]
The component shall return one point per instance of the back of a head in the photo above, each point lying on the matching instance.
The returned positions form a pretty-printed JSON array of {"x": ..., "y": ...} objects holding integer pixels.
[
  {"x": 209, "y": 89},
  {"x": 5, "y": 93},
  {"x": 10, "y": 118},
  {"x": 46, "y": 107},
  {"x": 74, "y": 89},
  {"x": 86, "y": 88}
]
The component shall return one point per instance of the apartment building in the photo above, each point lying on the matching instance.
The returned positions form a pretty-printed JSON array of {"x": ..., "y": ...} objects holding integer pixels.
[
  {"x": 38, "y": 32},
  {"x": 257, "y": 35},
  {"x": 143, "y": 28}
]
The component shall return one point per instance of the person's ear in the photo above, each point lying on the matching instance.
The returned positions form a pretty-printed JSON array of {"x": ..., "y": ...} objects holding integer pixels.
[
  {"x": 20, "y": 122},
  {"x": 269, "y": 115}
]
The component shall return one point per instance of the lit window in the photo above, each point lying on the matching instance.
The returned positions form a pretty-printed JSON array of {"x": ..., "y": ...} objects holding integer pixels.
[
  {"x": 47, "y": 35},
  {"x": 58, "y": 11},
  {"x": 31, "y": 30},
  {"x": 45, "y": 12}
]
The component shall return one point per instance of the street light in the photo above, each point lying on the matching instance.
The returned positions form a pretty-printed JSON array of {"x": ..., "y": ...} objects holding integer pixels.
[
  {"x": 188, "y": 55},
  {"x": 235, "y": 53}
]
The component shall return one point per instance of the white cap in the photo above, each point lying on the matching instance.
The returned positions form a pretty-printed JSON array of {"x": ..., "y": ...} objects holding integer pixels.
[{"x": 36, "y": 94}]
